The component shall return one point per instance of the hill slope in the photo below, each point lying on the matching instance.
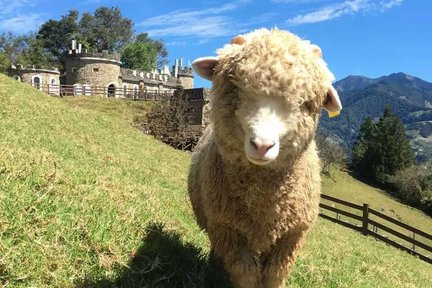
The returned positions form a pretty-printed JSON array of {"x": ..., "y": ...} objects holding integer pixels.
[
  {"x": 79, "y": 189},
  {"x": 410, "y": 97}
]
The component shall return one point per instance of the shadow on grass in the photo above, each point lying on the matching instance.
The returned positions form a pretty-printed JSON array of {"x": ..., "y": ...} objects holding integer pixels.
[{"x": 163, "y": 260}]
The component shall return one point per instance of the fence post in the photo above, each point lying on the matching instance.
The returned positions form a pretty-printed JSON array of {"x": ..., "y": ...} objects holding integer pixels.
[
  {"x": 413, "y": 243},
  {"x": 365, "y": 219}
]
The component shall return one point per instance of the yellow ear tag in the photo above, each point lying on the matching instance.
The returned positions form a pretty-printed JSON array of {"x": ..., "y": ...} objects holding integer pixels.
[{"x": 333, "y": 114}]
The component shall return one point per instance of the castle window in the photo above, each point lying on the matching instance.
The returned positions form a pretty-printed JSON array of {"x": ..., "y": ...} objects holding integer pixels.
[
  {"x": 95, "y": 69},
  {"x": 73, "y": 69}
]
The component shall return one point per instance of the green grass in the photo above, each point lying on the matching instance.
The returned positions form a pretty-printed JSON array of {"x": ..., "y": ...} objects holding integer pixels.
[
  {"x": 341, "y": 185},
  {"x": 127, "y": 110},
  {"x": 86, "y": 200}
]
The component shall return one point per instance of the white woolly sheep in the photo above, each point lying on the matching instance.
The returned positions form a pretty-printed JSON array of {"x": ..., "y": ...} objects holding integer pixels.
[{"x": 254, "y": 180}]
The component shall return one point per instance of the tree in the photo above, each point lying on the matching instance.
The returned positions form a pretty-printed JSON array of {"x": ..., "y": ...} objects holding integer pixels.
[
  {"x": 106, "y": 29},
  {"x": 394, "y": 150},
  {"x": 330, "y": 152},
  {"x": 56, "y": 35},
  {"x": 23, "y": 49},
  {"x": 414, "y": 186},
  {"x": 364, "y": 148},
  {"x": 141, "y": 54},
  {"x": 35, "y": 54},
  {"x": 162, "y": 53},
  {"x": 383, "y": 148},
  {"x": 11, "y": 49},
  {"x": 144, "y": 53}
]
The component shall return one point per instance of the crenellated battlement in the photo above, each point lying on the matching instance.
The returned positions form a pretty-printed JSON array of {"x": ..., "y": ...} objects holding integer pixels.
[
  {"x": 35, "y": 69},
  {"x": 78, "y": 52},
  {"x": 163, "y": 75},
  {"x": 185, "y": 71},
  {"x": 104, "y": 54}
]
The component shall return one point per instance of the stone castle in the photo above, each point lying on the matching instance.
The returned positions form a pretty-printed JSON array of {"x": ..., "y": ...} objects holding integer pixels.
[{"x": 88, "y": 71}]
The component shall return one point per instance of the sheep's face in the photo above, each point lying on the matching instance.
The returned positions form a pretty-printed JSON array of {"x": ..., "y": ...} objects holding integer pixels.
[
  {"x": 268, "y": 89},
  {"x": 264, "y": 122}
]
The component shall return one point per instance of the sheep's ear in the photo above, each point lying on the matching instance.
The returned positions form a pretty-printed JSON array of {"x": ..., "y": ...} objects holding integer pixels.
[
  {"x": 238, "y": 40},
  {"x": 205, "y": 66},
  {"x": 316, "y": 50},
  {"x": 332, "y": 102}
]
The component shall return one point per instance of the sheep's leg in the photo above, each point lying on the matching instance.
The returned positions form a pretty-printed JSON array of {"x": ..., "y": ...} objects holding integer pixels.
[
  {"x": 242, "y": 264},
  {"x": 279, "y": 260}
]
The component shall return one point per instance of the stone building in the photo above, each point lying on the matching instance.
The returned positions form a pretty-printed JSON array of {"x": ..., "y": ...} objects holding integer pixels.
[
  {"x": 47, "y": 79},
  {"x": 100, "y": 72}
]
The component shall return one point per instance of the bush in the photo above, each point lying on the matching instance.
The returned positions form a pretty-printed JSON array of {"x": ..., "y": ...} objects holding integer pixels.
[
  {"x": 414, "y": 186},
  {"x": 331, "y": 153},
  {"x": 169, "y": 121}
]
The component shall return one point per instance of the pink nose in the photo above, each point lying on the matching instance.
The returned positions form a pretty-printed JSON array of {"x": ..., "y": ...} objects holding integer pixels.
[{"x": 261, "y": 147}]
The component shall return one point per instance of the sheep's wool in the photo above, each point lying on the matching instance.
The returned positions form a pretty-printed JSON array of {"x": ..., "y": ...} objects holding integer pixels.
[{"x": 256, "y": 216}]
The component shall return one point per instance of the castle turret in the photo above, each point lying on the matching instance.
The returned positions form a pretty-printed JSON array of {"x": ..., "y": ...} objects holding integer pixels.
[
  {"x": 95, "y": 68},
  {"x": 183, "y": 74}
]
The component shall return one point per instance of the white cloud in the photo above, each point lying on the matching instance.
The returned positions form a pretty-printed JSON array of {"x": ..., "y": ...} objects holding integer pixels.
[
  {"x": 11, "y": 18},
  {"x": 10, "y": 6},
  {"x": 205, "y": 24},
  {"x": 21, "y": 23},
  {"x": 390, "y": 4},
  {"x": 339, "y": 9}
]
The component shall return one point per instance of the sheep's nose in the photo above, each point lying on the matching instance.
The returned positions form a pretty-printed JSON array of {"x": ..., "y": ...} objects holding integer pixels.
[{"x": 261, "y": 147}]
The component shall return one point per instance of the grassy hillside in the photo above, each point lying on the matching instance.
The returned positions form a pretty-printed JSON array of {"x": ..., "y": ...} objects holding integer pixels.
[
  {"x": 341, "y": 185},
  {"x": 86, "y": 200}
]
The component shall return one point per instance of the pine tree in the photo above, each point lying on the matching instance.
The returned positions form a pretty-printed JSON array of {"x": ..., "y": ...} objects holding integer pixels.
[
  {"x": 394, "y": 151},
  {"x": 364, "y": 148},
  {"x": 383, "y": 148}
]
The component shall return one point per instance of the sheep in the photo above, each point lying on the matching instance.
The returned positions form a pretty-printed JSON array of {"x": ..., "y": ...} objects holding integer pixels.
[{"x": 254, "y": 180}]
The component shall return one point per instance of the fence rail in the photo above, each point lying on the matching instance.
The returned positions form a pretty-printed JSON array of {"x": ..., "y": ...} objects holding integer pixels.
[
  {"x": 117, "y": 92},
  {"x": 364, "y": 223}
]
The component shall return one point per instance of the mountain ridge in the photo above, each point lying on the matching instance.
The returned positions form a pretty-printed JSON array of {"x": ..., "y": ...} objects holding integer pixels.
[{"x": 409, "y": 96}]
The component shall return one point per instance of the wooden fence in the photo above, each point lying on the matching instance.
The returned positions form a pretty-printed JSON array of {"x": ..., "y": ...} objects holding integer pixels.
[
  {"x": 117, "y": 92},
  {"x": 368, "y": 221}
]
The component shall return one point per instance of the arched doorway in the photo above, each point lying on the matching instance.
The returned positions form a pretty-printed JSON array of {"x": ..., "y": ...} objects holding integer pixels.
[
  {"x": 53, "y": 86},
  {"x": 36, "y": 82},
  {"x": 111, "y": 90}
]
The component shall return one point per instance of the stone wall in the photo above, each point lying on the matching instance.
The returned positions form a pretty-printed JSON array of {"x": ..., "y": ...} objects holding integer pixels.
[
  {"x": 99, "y": 72},
  {"x": 186, "y": 81},
  {"x": 198, "y": 101},
  {"x": 27, "y": 75},
  {"x": 185, "y": 77}
]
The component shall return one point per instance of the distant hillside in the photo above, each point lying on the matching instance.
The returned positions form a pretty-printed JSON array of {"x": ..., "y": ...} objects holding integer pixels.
[{"x": 410, "y": 97}]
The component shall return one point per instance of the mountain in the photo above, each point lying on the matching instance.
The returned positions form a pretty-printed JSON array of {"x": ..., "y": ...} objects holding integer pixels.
[
  {"x": 409, "y": 96},
  {"x": 353, "y": 83}
]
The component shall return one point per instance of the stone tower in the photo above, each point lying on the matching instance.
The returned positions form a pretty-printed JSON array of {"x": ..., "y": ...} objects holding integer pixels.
[
  {"x": 101, "y": 69},
  {"x": 183, "y": 74},
  {"x": 185, "y": 77}
]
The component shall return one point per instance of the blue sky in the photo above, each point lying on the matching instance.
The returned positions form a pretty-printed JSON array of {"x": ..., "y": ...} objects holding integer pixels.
[{"x": 358, "y": 37}]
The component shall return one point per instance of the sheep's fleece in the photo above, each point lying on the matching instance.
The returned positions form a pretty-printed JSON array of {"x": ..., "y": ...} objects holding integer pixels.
[{"x": 254, "y": 181}]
